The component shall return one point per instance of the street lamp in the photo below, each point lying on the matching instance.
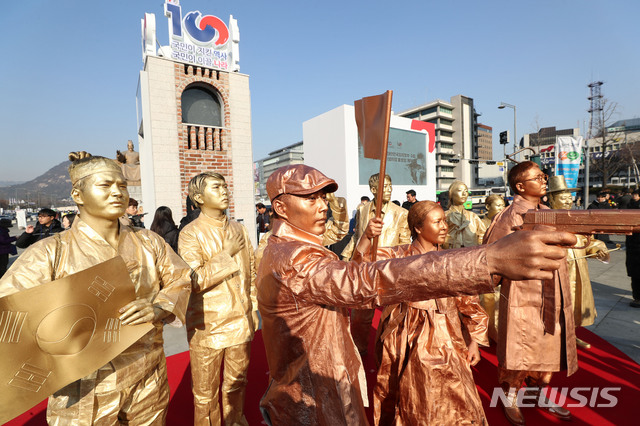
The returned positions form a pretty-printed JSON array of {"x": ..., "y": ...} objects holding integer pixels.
[{"x": 504, "y": 105}]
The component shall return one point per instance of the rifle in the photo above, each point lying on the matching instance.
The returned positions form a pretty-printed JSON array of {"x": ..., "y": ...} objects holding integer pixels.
[{"x": 585, "y": 222}]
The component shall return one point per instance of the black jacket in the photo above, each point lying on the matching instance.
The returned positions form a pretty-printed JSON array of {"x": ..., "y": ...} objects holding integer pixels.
[{"x": 39, "y": 232}]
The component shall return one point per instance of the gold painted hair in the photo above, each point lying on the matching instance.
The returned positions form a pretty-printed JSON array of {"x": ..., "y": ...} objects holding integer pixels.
[{"x": 199, "y": 182}]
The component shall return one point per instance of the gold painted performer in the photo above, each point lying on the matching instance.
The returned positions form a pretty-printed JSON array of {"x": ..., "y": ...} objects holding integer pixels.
[
  {"x": 132, "y": 388},
  {"x": 223, "y": 310},
  {"x": 305, "y": 292},
  {"x": 395, "y": 231},
  {"x": 466, "y": 229},
  {"x": 494, "y": 204},
  {"x": 424, "y": 376},
  {"x": 584, "y": 306},
  {"x": 536, "y": 332}
]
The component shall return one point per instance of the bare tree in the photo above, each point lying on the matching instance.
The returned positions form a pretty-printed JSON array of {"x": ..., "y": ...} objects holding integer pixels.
[
  {"x": 630, "y": 158},
  {"x": 607, "y": 161}
]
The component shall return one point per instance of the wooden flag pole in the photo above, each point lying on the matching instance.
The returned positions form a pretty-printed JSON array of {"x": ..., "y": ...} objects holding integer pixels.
[{"x": 382, "y": 174}]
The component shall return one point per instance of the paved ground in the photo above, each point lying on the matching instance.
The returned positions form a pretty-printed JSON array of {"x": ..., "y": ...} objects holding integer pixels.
[{"x": 617, "y": 322}]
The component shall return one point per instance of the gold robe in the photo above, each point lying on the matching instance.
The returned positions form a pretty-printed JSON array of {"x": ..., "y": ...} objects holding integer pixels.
[
  {"x": 223, "y": 303},
  {"x": 395, "y": 229},
  {"x": 523, "y": 343},
  {"x": 466, "y": 229},
  {"x": 222, "y": 317},
  {"x": 159, "y": 275},
  {"x": 424, "y": 377},
  {"x": 581, "y": 293},
  {"x": 304, "y": 292}
]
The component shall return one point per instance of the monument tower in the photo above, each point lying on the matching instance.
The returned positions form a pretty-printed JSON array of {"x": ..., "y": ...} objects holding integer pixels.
[{"x": 194, "y": 112}]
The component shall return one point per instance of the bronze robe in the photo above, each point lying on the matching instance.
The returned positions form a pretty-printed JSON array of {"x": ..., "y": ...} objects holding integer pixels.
[
  {"x": 424, "y": 377},
  {"x": 523, "y": 343},
  {"x": 159, "y": 275},
  {"x": 304, "y": 292}
]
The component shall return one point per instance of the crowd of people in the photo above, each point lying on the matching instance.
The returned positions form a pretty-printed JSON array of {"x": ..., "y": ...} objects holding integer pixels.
[{"x": 424, "y": 266}]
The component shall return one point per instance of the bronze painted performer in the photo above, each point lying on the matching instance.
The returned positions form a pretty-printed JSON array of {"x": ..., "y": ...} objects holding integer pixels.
[
  {"x": 305, "y": 291},
  {"x": 535, "y": 338},
  {"x": 466, "y": 229},
  {"x": 584, "y": 306},
  {"x": 395, "y": 231},
  {"x": 494, "y": 204},
  {"x": 133, "y": 386},
  {"x": 424, "y": 376},
  {"x": 223, "y": 310},
  {"x": 336, "y": 229}
]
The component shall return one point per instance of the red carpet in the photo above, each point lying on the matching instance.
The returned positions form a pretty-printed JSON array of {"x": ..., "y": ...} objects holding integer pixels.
[{"x": 601, "y": 366}]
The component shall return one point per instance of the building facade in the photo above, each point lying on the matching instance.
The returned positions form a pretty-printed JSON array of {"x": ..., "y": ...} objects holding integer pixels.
[
  {"x": 292, "y": 154},
  {"x": 456, "y": 138},
  {"x": 485, "y": 142},
  {"x": 622, "y": 144}
]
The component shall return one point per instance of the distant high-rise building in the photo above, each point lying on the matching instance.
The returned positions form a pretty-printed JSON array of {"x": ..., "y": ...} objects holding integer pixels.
[
  {"x": 291, "y": 154},
  {"x": 456, "y": 138},
  {"x": 485, "y": 142}
]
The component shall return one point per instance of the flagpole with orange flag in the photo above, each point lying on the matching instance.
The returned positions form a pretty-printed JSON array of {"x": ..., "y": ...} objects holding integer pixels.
[{"x": 373, "y": 116}]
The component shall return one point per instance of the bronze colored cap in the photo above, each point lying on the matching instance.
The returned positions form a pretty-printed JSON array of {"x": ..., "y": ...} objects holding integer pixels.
[
  {"x": 559, "y": 184},
  {"x": 298, "y": 179}
]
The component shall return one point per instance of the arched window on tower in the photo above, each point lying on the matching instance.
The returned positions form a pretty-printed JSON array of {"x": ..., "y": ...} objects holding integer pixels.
[{"x": 201, "y": 106}]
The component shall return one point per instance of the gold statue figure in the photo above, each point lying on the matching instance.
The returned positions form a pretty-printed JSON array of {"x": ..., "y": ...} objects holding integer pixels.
[
  {"x": 584, "y": 307},
  {"x": 494, "y": 204},
  {"x": 133, "y": 385},
  {"x": 223, "y": 310},
  {"x": 536, "y": 331},
  {"x": 130, "y": 163},
  {"x": 395, "y": 231},
  {"x": 466, "y": 229}
]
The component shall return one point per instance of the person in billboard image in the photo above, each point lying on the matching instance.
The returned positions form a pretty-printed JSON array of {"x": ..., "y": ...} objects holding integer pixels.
[
  {"x": 305, "y": 292},
  {"x": 424, "y": 374},
  {"x": 223, "y": 311},
  {"x": 541, "y": 307}
]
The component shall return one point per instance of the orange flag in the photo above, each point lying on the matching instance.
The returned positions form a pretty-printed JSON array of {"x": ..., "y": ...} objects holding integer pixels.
[{"x": 372, "y": 117}]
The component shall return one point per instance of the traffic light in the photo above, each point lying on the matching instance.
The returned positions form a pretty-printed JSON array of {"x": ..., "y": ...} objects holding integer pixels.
[
  {"x": 473, "y": 161},
  {"x": 490, "y": 162},
  {"x": 504, "y": 137},
  {"x": 454, "y": 160}
]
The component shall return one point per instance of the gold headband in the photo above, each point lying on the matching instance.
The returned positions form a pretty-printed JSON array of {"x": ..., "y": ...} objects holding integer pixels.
[{"x": 89, "y": 169}]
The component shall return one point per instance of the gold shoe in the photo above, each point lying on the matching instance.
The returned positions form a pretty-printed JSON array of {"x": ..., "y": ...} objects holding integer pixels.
[{"x": 583, "y": 344}]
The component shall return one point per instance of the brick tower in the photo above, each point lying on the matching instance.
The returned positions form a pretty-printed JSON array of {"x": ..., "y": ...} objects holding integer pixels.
[{"x": 194, "y": 115}]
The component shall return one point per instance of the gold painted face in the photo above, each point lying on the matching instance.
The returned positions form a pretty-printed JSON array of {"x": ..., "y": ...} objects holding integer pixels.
[
  {"x": 386, "y": 190},
  {"x": 105, "y": 196},
  {"x": 494, "y": 208},
  {"x": 561, "y": 200},
  {"x": 460, "y": 194},
  {"x": 215, "y": 195}
]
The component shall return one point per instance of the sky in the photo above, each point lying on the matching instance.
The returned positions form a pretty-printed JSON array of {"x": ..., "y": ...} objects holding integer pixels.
[{"x": 70, "y": 68}]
